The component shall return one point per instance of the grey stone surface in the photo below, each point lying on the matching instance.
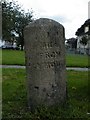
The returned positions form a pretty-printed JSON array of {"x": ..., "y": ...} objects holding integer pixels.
[{"x": 45, "y": 62}]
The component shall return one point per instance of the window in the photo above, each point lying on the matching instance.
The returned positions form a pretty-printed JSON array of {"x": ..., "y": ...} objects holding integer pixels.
[{"x": 86, "y": 29}]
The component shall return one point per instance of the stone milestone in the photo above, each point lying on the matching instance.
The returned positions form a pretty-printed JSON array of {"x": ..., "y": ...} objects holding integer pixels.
[{"x": 45, "y": 63}]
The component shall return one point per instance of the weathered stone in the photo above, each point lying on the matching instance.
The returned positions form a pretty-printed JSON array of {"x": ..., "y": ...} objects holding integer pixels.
[{"x": 45, "y": 62}]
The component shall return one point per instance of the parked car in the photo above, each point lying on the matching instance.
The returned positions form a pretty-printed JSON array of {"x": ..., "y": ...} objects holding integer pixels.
[{"x": 9, "y": 47}]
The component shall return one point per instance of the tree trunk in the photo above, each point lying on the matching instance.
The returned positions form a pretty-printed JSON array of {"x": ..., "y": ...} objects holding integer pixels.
[
  {"x": 21, "y": 41},
  {"x": 84, "y": 50},
  {"x": 21, "y": 47}
]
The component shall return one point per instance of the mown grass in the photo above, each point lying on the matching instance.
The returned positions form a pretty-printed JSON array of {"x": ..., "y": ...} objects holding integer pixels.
[
  {"x": 15, "y": 98},
  {"x": 76, "y": 60},
  {"x": 14, "y": 57}
]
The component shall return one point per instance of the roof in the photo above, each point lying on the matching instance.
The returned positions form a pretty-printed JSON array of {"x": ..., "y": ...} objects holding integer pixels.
[{"x": 80, "y": 31}]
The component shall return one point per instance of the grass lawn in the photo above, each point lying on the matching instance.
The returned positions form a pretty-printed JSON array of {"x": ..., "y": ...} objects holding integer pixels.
[
  {"x": 14, "y": 57},
  {"x": 76, "y": 60},
  {"x": 15, "y": 98}
]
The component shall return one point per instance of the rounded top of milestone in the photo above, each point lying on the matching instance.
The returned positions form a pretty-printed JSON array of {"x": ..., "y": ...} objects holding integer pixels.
[{"x": 44, "y": 22}]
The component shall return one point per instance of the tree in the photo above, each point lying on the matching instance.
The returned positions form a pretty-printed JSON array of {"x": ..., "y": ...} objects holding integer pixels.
[
  {"x": 72, "y": 42},
  {"x": 14, "y": 21},
  {"x": 22, "y": 19},
  {"x": 7, "y": 21},
  {"x": 84, "y": 41}
]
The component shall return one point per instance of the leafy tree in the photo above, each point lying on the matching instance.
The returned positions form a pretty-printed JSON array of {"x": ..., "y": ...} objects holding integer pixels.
[
  {"x": 14, "y": 21},
  {"x": 72, "y": 42},
  {"x": 6, "y": 20},
  {"x": 84, "y": 41}
]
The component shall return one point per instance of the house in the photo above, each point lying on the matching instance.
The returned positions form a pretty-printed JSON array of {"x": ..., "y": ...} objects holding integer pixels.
[{"x": 83, "y": 32}]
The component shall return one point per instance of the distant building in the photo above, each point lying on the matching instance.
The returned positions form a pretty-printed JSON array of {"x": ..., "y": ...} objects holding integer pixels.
[{"x": 83, "y": 31}]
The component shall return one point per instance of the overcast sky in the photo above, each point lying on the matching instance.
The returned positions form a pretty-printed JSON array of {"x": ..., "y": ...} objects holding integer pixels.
[{"x": 70, "y": 13}]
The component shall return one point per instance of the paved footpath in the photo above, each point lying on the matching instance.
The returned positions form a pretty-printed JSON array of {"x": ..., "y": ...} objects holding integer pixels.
[{"x": 23, "y": 67}]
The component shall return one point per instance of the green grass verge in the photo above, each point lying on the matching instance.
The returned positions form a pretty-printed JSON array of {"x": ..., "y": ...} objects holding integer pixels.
[
  {"x": 14, "y": 57},
  {"x": 74, "y": 60},
  {"x": 15, "y": 98}
]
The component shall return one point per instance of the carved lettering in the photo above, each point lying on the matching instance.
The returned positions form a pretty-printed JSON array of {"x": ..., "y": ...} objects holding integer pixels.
[{"x": 44, "y": 65}]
